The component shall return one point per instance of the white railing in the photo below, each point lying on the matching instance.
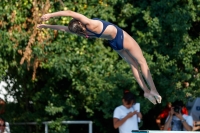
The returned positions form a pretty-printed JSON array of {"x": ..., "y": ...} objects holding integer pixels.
[{"x": 63, "y": 122}]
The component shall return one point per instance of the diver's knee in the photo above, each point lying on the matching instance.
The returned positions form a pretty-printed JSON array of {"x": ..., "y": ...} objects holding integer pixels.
[{"x": 142, "y": 61}]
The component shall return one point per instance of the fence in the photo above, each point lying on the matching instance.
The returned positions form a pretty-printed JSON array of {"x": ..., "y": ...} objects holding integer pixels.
[{"x": 63, "y": 122}]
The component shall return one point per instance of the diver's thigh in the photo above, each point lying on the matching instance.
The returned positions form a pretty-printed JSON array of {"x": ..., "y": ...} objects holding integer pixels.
[{"x": 126, "y": 56}]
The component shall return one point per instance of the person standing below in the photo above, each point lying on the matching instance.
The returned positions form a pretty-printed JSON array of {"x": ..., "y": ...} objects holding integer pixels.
[
  {"x": 125, "y": 117},
  {"x": 160, "y": 120},
  {"x": 177, "y": 121},
  {"x": 118, "y": 39}
]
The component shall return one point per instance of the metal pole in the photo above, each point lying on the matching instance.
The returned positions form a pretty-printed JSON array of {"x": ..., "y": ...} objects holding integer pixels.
[
  {"x": 90, "y": 127},
  {"x": 46, "y": 127},
  {"x": 63, "y": 122}
]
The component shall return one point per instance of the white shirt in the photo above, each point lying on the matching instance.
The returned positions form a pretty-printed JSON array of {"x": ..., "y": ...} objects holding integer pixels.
[
  {"x": 130, "y": 124},
  {"x": 176, "y": 124}
]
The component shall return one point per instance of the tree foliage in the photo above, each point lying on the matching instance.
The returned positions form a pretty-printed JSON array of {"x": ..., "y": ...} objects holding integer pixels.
[{"x": 55, "y": 76}]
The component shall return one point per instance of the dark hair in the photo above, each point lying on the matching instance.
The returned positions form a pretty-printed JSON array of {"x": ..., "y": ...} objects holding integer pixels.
[
  {"x": 128, "y": 97},
  {"x": 178, "y": 103},
  {"x": 75, "y": 26}
]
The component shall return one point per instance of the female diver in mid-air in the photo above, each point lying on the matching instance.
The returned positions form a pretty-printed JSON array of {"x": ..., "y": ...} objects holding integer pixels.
[{"x": 118, "y": 39}]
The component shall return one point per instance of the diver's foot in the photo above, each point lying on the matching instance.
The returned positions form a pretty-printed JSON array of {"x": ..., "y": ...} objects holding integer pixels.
[
  {"x": 150, "y": 97},
  {"x": 156, "y": 95}
]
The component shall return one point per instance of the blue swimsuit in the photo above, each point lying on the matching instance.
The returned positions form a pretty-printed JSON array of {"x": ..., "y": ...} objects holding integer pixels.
[{"x": 117, "y": 42}]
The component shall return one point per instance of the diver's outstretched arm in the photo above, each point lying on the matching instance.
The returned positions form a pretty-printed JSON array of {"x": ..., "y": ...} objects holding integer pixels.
[
  {"x": 54, "y": 27},
  {"x": 83, "y": 19}
]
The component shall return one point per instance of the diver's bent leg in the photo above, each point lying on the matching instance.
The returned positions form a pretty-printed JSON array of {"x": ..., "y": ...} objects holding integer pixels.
[
  {"x": 135, "y": 52},
  {"x": 134, "y": 68},
  {"x": 138, "y": 76}
]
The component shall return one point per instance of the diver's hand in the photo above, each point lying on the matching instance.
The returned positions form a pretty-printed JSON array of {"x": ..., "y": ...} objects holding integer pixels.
[
  {"x": 46, "y": 17},
  {"x": 40, "y": 26}
]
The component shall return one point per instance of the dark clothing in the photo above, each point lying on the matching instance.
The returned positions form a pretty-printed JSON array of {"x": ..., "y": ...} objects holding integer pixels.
[{"x": 117, "y": 42}]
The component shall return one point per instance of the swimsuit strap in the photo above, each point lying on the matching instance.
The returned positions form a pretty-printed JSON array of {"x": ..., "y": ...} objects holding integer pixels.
[
  {"x": 95, "y": 34},
  {"x": 105, "y": 24}
]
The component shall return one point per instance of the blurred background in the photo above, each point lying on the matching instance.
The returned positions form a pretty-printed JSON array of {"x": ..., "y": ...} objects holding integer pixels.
[{"x": 53, "y": 76}]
